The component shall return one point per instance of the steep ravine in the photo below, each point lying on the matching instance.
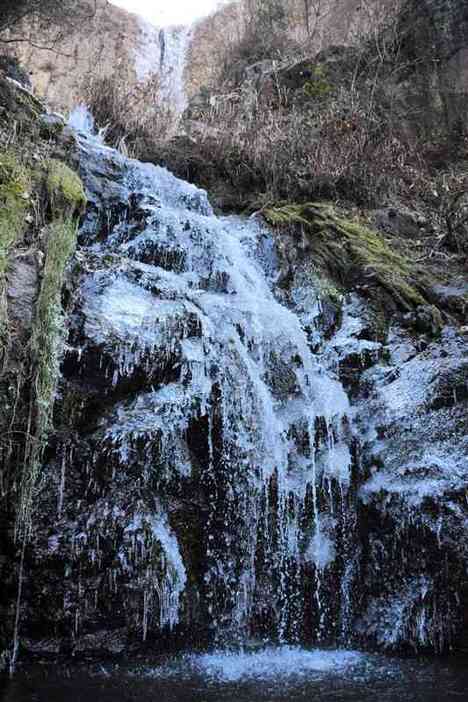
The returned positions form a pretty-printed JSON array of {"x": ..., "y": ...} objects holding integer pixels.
[{"x": 237, "y": 457}]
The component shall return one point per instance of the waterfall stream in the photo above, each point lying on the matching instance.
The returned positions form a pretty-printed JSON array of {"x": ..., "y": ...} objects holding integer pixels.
[{"x": 216, "y": 446}]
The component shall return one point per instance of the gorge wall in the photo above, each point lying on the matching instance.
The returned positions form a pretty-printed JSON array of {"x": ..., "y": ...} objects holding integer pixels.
[
  {"x": 105, "y": 44},
  {"x": 119, "y": 43},
  {"x": 258, "y": 431}
]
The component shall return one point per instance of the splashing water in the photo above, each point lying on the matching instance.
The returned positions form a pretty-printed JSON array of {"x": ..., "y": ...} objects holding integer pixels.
[{"x": 271, "y": 663}]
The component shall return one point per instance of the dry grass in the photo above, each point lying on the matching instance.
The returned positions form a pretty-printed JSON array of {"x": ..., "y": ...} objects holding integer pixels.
[
  {"x": 132, "y": 114},
  {"x": 337, "y": 146}
]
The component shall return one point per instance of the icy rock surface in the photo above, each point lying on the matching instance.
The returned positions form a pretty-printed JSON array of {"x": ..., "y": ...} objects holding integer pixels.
[
  {"x": 410, "y": 407},
  {"x": 203, "y": 469},
  {"x": 236, "y": 460}
]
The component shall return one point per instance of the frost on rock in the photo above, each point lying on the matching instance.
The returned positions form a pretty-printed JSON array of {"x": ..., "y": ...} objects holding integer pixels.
[
  {"x": 411, "y": 617},
  {"x": 412, "y": 421},
  {"x": 213, "y": 446},
  {"x": 222, "y": 461},
  {"x": 164, "y": 580}
]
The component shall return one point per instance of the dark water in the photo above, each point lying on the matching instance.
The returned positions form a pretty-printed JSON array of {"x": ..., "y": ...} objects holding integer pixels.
[{"x": 274, "y": 675}]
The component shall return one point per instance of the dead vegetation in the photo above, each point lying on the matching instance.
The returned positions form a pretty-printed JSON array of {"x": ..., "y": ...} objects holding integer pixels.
[{"x": 132, "y": 115}]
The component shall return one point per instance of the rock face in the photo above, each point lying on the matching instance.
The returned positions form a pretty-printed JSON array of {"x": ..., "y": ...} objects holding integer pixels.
[
  {"x": 331, "y": 22},
  {"x": 412, "y": 413},
  {"x": 41, "y": 200},
  {"x": 120, "y": 43},
  {"x": 409, "y": 405},
  {"x": 238, "y": 453},
  {"x": 435, "y": 37},
  {"x": 111, "y": 43},
  {"x": 106, "y": 43}
]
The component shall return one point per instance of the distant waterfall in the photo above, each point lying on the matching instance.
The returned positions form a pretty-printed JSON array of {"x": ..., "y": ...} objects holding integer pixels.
[{"x": 163, "y": 51}]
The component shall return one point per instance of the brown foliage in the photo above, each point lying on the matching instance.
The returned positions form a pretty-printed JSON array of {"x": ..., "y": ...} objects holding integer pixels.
[{"x": 339, "y": 146}]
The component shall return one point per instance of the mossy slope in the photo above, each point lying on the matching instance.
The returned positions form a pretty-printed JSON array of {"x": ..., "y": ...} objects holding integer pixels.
[
  {"x": 41, "y": 199},
  {"x": 350, "y": 253},
  {"x": 15, "y": 184},
  {"x": 65, "y": 190}
]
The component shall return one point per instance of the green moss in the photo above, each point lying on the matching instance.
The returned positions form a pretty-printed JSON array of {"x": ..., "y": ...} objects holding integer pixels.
[
  {"x": 318, "y": 86},
  {"x": 15, "y": 185},
  {"x": 47, "y": 330},
  {"x": 350, "y": 252},
  {"x": 57, "y": 214},
  {"x": 46, "y": 345},
  {"x": 65, "y": 190}
]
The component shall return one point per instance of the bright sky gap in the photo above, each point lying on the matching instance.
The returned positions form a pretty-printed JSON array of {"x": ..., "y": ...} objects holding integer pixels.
[{"x": 161, "y": 12}]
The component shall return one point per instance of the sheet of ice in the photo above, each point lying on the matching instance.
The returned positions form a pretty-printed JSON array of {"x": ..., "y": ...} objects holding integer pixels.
[
  {"x": 172, "y": 581},
  {"x": 430, "y": 476}
]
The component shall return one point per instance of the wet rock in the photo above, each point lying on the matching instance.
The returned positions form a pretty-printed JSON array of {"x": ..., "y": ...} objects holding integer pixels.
[
  {"x": 399, "y": 221},
  {"x": 234, "y": 455},
  {"x": 413, "y": 415},
  {"x": 424, "y": 320},
  {"x": 190, "y": 406},
  {"x": 103, "y": 642},
  {"x": 23, "y": 288},
  {"x": 453, "y": 297},
  {"x": 52, "y": 124}
]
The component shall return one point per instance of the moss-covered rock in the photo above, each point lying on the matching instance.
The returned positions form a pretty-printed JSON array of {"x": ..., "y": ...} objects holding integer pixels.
[
  {"x": 41, "y": 199},
  {"x": 15, "y": 184},
  {"x": 350, "y": 253},
  {"x": 46, "y": 348},
  {"x": 65, "y": 190}
]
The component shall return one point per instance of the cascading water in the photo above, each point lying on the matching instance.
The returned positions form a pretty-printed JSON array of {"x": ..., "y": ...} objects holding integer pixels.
[
  {"x": 214, "y": 446},
  {"x": 81, "y": 120}
]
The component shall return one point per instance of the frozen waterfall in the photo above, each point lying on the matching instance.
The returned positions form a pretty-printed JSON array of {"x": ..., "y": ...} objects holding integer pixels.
[{"x": 215, "y": 448}]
